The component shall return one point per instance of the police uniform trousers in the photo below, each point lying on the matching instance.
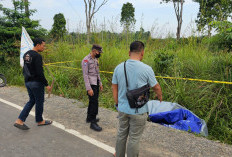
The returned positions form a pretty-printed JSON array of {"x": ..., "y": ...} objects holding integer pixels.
[{"x": 93, "y": 103}]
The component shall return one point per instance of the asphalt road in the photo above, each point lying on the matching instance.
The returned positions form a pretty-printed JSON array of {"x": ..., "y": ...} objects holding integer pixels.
[
  {"x": 40, "y": 141},
  {"x": 68, "y": 136}
]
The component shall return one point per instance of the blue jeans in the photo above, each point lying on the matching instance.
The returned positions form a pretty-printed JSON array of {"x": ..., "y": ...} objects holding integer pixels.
[{"x": 36, "y": 96}]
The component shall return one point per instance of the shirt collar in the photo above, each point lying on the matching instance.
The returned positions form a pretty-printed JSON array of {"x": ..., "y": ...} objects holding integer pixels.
[{"x": 90, "y": 57}]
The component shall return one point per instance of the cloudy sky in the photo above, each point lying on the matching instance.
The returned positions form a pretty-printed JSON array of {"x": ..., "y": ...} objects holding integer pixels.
[{"x": 158, "y": 18}]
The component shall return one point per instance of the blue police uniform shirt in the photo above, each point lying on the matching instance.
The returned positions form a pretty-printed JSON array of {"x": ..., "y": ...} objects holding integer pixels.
[{"x": 138, "y": 75}]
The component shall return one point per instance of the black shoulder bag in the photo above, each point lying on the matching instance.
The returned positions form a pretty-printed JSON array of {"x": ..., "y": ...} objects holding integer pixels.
[{"x": 137, "y": 98}]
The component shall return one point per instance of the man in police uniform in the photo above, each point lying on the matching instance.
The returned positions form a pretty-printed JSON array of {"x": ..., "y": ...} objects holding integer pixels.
[{"x": 90, "y": 68}]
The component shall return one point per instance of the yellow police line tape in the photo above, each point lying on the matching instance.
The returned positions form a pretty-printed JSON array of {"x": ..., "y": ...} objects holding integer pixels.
[
  {"x": 76, "y": 68},
  {"x": 173, "y": 78},
  {"x": 61, "y": 62},
  {"x": 191, "y": 79}
]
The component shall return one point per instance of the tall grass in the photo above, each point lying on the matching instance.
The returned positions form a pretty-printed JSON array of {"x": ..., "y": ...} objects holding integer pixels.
[{"x": 190, "y": 59}]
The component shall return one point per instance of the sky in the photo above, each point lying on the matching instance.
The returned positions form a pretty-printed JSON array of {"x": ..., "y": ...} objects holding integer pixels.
[{"x": 158, "y": 18}]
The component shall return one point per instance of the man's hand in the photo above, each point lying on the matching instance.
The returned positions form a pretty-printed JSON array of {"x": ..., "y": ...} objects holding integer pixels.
[
  {"x": 49, "y": 88},
  {"x": 90, "y": 92},
  {"x": 101, "y": 87},
  {"x": 158, "y": 91},
  {"x": 159, "y": 97}
]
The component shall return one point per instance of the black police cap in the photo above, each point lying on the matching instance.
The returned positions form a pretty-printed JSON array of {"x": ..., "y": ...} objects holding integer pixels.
[{"x": 97, "y": 47}]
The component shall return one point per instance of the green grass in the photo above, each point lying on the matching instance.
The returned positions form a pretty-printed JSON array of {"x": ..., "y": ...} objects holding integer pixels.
[{"x": 211, "y": 102}]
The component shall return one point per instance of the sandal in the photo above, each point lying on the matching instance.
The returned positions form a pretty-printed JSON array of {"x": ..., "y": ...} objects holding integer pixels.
[
  {"x": 47, "y": 122},
  {"x": 22, "y": 127}
]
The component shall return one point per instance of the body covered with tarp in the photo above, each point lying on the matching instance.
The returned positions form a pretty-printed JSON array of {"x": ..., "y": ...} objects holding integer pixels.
[{"x": 176, "y": 116}]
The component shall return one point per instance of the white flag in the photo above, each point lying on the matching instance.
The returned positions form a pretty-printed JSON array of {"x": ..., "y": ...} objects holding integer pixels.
[{"x": 26, "y": 44}]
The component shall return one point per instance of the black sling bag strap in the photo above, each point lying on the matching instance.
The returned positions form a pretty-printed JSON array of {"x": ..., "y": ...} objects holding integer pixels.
[
  {"x": 125, "y": 75},
  {"x": 137, "y": 98}
]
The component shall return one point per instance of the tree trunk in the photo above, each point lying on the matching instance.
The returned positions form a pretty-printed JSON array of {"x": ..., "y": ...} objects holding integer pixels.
[
  {"x": 209, "y": 31},
  {"x": 178, "y": 32},
  {"x": 127, "y": 34},
  {"x": 179, "y": 12},
  {"x": 88, "y": 33},
  {"x": 26, "y": 8}
]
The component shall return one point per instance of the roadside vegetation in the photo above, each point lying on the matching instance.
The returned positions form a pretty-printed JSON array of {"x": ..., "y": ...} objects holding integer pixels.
[{"x": 207, "y": 58}]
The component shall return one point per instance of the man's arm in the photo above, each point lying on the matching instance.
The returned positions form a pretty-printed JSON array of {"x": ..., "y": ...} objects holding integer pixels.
[
  {"x": 85, "y": 70},
  {"x": 39, "y": 70},
  {"x": 158, "y": 91},
  {"x": 100, "y": 83},
  {"x": 115, "y": 92},
  {"x": 99, "y": 78}
]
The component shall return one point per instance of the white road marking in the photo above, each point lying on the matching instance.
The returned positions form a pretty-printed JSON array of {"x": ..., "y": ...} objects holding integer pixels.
[{"x": 71, "y": 131}]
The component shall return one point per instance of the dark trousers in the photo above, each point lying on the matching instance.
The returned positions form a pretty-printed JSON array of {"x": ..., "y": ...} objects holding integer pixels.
[
  {"x": 36, "y": 96},
  {"x": 93, "y": 103}
]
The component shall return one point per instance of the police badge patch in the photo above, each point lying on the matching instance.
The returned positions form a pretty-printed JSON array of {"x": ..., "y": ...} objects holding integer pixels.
[{"x": 85, "y": 62}]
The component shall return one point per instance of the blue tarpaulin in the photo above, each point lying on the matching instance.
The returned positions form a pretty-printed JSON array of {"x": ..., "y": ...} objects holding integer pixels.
[{"x": 176, "y": 116}]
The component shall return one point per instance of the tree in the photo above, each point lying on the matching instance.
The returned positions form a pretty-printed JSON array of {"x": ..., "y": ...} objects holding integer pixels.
[
  {"x": 58, "y": 28},
  {"x": 127, "y": 17},
  {"x": 222, "y": 40},
  {"x": 212, "y": 10},
  {"x": 178, "y": 7},
  {"x": 141, "y": 34},
  {"x": 11, "y": 23},
  {"x": 90, "y": 10}
]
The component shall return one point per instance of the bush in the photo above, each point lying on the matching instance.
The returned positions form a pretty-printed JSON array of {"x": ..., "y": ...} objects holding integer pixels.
[
  {"x": 162, "y": 62},
  {"x": 222, "y": 40}
]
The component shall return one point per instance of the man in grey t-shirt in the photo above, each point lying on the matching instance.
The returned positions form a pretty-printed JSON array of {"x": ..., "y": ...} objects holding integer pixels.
[{"x": 130, "y": 122}]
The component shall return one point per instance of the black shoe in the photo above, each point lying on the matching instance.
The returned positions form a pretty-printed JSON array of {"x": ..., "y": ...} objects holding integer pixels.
[
  {"x": 95, "y": 120},
  {"x": 22, "y": 127},
  {"x": 95, "y": 126}
]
